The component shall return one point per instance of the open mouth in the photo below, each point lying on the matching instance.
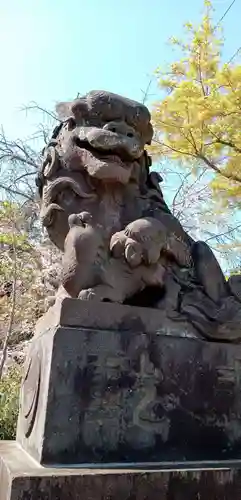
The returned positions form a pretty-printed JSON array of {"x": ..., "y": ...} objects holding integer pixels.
[{"x": 121, "y": 157}]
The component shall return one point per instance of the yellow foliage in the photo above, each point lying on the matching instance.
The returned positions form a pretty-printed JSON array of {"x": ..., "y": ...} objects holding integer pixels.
[{"x": 199, "y": 120}]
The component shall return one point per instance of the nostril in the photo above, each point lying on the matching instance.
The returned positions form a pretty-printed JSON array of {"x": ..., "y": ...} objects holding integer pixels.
[{"x": 113, "y": 129}]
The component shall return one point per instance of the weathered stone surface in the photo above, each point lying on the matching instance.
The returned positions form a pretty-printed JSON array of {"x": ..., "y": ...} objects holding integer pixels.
[
  {"x": 127, "y": 393},
  {"x": 21, "y": 478},
  {"x": 104, "y": 208},
  {"x": 75, "y": 313}
]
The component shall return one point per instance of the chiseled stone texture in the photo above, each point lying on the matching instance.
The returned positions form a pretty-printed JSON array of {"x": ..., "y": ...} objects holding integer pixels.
[
  {"x": 21, "y": 478},
  {"x": 110, "y": 386}
]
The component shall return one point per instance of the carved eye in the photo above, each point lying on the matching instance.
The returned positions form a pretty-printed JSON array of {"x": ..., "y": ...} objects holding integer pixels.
[
  {"x": 130, "y": 134},
  {"x": 113, "y": 129}
]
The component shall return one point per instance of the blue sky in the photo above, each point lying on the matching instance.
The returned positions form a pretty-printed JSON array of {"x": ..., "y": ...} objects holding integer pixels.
[{"x": 50, "y": 49}]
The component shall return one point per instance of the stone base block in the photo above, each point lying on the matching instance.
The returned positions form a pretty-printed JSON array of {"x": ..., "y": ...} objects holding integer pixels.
[
  {"x": 112, "y": 385},
  {"x": 21, "y": 478}
]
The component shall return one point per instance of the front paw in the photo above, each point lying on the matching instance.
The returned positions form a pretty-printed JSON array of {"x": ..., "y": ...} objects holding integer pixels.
[
  {"x": 87, "y": 294},
  {"x": 133, "y": 253},
  {"x": 117, "y": 244}
]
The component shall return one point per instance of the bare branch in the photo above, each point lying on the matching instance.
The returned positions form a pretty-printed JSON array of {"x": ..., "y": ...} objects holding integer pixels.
[
  {"x": 179, "y": 190},
  {"x": 16, "y": 192},
  {"x": 146, "y": 93},
  {"x": 226, "y": 233},
  {"x": 27, "y": 174},
  {"x": 35, "y": 107}
]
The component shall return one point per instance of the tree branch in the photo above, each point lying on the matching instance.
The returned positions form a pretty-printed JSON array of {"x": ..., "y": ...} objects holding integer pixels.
[
  {"x": 174, "y": 149},
  {"x": 12, "y": 311},
  {"x": 214, "y": 167},
  {"x": 34, "y": 106},
  {"x": 223, "y": 234},
  {"x": 16, "y": 192}
]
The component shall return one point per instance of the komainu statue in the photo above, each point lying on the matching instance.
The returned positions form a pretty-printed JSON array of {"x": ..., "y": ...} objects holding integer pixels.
[{"x": 103, "y": 208}]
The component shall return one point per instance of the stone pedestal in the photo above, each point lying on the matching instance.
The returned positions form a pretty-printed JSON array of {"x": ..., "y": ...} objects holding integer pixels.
[
  {"x": 21, "y": 478},
  {"x": 117, "y": 387},
  {"x": 112, "y": 385}
]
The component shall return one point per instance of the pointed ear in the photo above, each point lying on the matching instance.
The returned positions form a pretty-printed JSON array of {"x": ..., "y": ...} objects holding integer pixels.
[{"x": 63, "y": 110}]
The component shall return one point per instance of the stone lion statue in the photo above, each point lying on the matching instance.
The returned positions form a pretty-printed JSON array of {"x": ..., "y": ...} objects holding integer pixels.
[{"x": 103, "y": 207}]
